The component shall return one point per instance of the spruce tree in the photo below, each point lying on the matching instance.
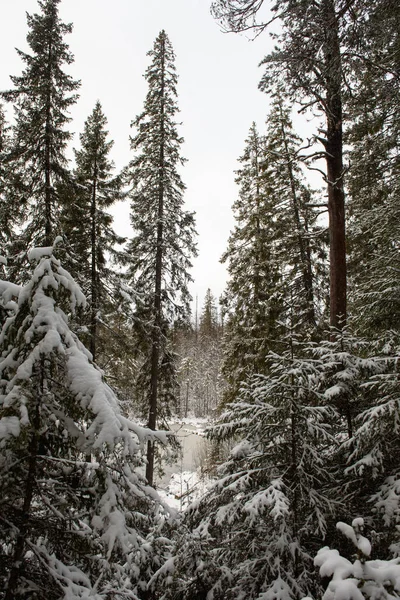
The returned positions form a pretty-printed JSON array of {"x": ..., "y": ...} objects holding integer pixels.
[
  {"x": 300, "y": 246},
  {"x": 41, "y": 97},
  {"x": 273, "y": 253},
  {"x": 252, "y": 300},
  {"x": 161, "y": 248},
  {"x": 70, "y": 527},
  {"x": 251, "y": 534},
  {"x": 88, "y": 225}
]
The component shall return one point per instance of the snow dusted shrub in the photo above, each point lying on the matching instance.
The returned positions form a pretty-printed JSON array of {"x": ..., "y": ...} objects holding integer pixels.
[
  {"x": 374, "y": 448},
  {"x": 76, "y": 515},
  {"x": 362, "y": 578}
]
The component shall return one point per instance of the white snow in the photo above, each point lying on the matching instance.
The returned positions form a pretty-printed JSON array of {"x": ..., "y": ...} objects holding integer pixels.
[
  {"x": 371, "y": 579},
  {"x": 352, "y": 532},
  {"x": 9, "y": 426}
]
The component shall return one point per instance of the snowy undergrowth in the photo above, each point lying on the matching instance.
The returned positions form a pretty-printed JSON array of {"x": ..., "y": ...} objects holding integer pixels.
[
  {"x": 77, "y": 519},
  {"x": 363, "y": 578}
]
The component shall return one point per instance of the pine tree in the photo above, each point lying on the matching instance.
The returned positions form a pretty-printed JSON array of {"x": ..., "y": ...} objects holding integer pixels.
[
  {"x": 162, "y": 246},
  {"x": 88, "y": 225},
  {"x": 41, "y": 96},
  {"x": 69, "y": 527}
]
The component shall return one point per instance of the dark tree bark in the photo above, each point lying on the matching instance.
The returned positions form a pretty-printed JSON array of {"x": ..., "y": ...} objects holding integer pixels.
[
  {"x": 94, "y": 276},
  {"x": 334, "y": 162}
]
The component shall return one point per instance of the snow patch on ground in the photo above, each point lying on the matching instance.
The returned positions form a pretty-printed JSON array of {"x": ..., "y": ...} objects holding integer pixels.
[
  {"x": 183, "y": 482},
  {"x": 183, "y": 489}
]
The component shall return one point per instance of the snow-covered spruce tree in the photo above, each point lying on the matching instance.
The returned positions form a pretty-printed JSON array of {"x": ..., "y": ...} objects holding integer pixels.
[
  {"x": 289, "y": 429},
  {"x": 252, "y": 533},
  {"x": 75, "y": 511},
  {"x": 41, "y": 97},
  {"x": 252, "y": 302},
  {"x": 374, "y": 187},
  {"x": 88, "y": 226},
  {"x": 372, "y": 475},
  {"x": 160, "y": 251}
]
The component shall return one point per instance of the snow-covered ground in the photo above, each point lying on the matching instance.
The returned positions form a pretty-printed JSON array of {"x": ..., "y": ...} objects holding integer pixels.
[{"x": 182, "y": 481}]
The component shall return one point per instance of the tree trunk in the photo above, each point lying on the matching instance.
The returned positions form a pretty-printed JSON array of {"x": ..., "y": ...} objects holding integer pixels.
[
  {"x": 334, "y": 162},
  {"x": 47, "y": 167},
  {"x": 94, "y": 290}
]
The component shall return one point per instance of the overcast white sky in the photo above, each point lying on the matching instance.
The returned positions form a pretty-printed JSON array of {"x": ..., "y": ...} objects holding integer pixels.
[{"x": 217, "y": 88}]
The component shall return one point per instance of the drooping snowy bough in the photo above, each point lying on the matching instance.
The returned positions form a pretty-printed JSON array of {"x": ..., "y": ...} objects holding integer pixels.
[
  {"x": 362, "y": 578},
  {"x": 76, "y": 515}
]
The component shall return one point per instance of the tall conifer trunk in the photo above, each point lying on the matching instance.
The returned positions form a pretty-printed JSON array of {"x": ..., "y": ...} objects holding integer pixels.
[
  {"x": 156, "y": 336},
  {"x": 94, "y": 286},
  {"x": 47, "y": 159},
  {"x": 334, "y": 162}
]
